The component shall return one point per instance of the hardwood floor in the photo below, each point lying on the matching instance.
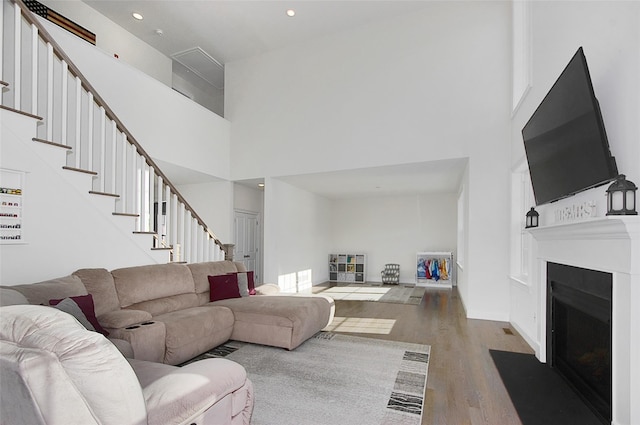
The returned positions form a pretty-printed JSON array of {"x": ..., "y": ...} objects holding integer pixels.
[{"x": 463, "y": 385}]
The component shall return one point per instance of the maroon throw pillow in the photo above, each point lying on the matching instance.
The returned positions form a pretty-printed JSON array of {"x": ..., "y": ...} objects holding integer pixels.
[
  {"x": 85, "y": 302},
  {"x": 222, "y": 287}
]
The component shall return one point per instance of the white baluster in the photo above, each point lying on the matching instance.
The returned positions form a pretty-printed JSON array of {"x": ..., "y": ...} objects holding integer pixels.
[
  {"x": 187, "y": 236},
  {"x": 168, "y": 215},
  {"x": 114, "y": 157},
  {"x": 17, "y": 45},
  {"x": 78, "y": 148},
  {"x": 103, "y": 151},
  {"x": 123, "y": 174},
  {"x": 138, "y": 192},
  {"x": 159, "y": 216},
  {"x": 173, "y": 229},
  {"x": 1, "y": 44},
  {"x": 49, "y": 112},
  {"x": 34, "y": 69},
  {"x": 90, "y": 106},
  {"x": 150, "y": 197},
  {"x": 65, "y": 103},
  {"x": 180, "y": 228}
]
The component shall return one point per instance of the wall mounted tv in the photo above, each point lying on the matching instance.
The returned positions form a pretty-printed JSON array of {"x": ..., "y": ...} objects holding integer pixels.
[{"x": 565, "y": 139}]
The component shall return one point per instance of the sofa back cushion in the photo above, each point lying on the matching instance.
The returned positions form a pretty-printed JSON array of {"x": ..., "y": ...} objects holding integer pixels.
[
  {"x": 200, "y": 273},
  {"x": 60, "y": 373},
  {"x": 42, "y": 292},
  {"x": 157, "y": 288},
  {"x": 100, "y": 285}
]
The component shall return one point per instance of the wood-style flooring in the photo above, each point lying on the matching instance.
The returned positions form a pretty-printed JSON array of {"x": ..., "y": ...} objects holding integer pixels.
[{"x": 463, "y": 385}]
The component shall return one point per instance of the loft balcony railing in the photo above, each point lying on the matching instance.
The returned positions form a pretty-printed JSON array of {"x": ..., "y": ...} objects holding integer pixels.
[{"x": 39, "y": 78}]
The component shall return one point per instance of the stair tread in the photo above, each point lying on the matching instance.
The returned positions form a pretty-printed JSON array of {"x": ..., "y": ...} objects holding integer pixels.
[
  {"x": 95, "y": 192},
  {"x": 49, "y": 142},
  {"x": 144, "y": 233},
  {"x": 4, "y": 83},
  {"x": 17, "y": 111},
  {"x": 126, "y": 214},
  {"x": 80, "y": 170}
]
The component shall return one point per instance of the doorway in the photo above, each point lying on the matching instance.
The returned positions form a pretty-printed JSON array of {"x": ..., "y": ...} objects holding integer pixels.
[{"x": 247, "y": 237}]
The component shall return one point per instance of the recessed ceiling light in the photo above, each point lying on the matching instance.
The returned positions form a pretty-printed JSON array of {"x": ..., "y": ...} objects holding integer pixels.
[
  {"x": 137, "y": 16},
  {"x": 260, "y": 184},
  {"x": 291, "y": 13}
]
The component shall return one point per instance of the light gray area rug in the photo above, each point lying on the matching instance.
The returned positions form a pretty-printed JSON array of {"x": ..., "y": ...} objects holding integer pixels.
[
  {"x": 402, "y": 294},
  {"x": 334, "y": 379}
]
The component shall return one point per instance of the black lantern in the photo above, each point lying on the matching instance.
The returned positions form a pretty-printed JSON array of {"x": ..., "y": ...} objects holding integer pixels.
[
  {"x": 532, "y": 219},
  {"x": 621, "y": 197}
]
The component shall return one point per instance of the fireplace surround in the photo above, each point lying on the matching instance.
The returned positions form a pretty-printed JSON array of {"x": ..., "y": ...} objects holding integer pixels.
[{"x": 610, "y": 245}]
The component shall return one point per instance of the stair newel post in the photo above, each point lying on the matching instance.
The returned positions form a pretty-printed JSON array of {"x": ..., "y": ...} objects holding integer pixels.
[
  {"x": 17, "y": 60},
  {"x": 34, "y": 69}
]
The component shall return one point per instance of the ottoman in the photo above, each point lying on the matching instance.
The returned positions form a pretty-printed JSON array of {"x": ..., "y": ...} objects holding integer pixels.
[{"x": 280, "y": 321}]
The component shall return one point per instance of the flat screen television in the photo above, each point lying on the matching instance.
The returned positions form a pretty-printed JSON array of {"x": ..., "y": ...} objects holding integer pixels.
[{"x": 565, "y": 139}]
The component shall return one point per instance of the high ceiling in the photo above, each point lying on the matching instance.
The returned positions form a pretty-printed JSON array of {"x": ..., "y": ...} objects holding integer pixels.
[{"x": 230, "y": 30}]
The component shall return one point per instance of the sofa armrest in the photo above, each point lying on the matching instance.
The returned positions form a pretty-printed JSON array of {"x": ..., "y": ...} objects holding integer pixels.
[
  {"x": 123, "y": 318},
  {"x": 267, "y": 289}
]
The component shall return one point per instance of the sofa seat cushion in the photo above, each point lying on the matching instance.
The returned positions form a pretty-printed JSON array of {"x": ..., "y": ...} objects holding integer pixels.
[
  {"x": 193, "y": 331},
  {"x": 279, "y": 321},
  {"x": 193, "y": 389}
]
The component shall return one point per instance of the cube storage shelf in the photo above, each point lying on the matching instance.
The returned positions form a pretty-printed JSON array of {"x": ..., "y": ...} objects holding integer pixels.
[{"x": 347, "y": 268}]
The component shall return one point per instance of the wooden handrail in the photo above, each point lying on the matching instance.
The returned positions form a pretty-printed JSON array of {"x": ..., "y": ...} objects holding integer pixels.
[{"x": 59, "y": 52}]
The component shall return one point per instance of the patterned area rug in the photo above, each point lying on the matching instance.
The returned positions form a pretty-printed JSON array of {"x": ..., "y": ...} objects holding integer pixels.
[
  {"x": 402, "y": 294},
  {"x": 334, "y": 379}
]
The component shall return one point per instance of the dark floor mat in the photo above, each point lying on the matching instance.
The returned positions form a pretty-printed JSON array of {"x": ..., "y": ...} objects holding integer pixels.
[{"x": 539, "y": 394}]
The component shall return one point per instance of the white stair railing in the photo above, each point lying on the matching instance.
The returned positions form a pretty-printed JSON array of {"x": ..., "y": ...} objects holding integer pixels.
[{"x": 43, "y": 81}]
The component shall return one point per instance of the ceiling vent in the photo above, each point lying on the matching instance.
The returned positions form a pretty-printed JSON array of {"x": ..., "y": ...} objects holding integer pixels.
[{"x": 203, "y": 65}]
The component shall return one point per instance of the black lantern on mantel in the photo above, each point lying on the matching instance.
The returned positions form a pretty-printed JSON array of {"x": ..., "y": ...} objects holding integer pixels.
[
  {"x": 621, "y": 197},
  {"x": 532, "y": 219}
]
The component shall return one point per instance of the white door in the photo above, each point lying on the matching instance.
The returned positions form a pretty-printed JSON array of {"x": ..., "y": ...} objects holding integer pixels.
[{"x": 248, "y": 241}]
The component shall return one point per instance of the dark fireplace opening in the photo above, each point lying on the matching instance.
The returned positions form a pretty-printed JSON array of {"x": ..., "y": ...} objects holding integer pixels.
[{"x": 579, "y": 332}]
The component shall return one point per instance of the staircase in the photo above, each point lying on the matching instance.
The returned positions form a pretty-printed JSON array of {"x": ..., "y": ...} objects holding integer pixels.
[{"x": 80, "y": 136}]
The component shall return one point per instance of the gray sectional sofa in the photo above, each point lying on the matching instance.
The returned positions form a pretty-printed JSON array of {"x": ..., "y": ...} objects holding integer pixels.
[{"x": 163, "y": 313}]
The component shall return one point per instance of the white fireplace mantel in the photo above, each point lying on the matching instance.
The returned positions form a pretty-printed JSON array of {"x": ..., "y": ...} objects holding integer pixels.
[{"x": 610, "y": 244}]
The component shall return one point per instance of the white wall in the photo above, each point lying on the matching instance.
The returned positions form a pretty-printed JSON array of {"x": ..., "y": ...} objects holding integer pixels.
[
  {"x": 63, "y": 230},
  {"x": 113, "y": 39},
  {"x": 433, "y": 85},
  {"x": 296, "y": 233},
  {"x": 609, "y": 33},
  {"x": 393, "y": 229}
]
